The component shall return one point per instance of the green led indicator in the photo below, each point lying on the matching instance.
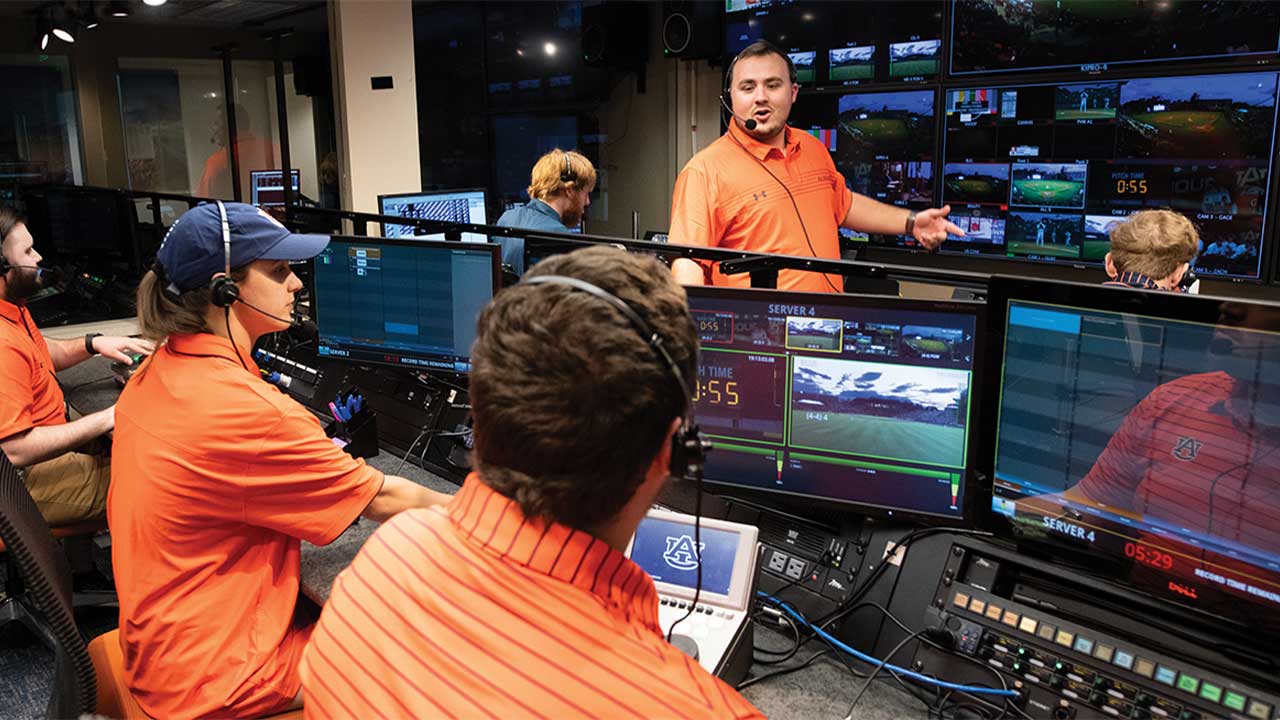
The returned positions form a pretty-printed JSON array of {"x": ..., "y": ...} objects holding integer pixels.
[
  {"x": 1234, "y": 701},
  {"x": 1186, "y": 683},
  {"x": 1211, "y": 692}
]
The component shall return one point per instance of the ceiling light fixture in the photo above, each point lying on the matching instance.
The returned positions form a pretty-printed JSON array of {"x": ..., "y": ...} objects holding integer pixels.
[
  {"x": 118, "y": 9},
  {"x": 154, "y": 3}
]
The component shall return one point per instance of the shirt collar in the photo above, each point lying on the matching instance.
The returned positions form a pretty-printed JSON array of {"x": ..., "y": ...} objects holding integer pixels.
[
  {"x": 495, "y": 522},
  {"x": 761, "y": 150},
  {"x": 11, "y": 312},
  {"x": 1138, "y": 280},
  {"x": 209, "y": 345},
  {"x": 543, "y": 207}
]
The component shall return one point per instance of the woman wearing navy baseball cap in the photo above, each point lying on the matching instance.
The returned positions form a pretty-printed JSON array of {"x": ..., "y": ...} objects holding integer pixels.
[{"x": 217, "y": 477}]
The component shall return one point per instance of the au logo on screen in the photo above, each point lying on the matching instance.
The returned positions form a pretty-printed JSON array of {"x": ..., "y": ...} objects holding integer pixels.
[{"x": 679, "y": 553}]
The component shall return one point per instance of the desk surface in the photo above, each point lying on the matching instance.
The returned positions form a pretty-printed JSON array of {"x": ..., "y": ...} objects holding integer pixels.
[{"x": 823, "y": 690}]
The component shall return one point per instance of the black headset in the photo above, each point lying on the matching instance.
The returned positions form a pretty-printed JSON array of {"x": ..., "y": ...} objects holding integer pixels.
[
  {"x": 688, "y": 448},
  {"x": 223, "y": 291},
  {"x": 567, "y": 175}
]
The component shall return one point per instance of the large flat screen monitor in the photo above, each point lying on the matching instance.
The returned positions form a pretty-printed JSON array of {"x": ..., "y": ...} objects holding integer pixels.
[
  {"x": 883, "y": 143},
  {"x": 93, "y": 224},
  {"x": 1041, "y": 172},
  {"x": 1064, "y": 35},
  {"x": 461, "y": 206},
  {"x": 267, "y": 187},
  {"x": 844, "y": 43},
  {"x": 1137, "y": 435},
  {"x": 409, "y": 303},
  {"x": 858, "y": 401}
]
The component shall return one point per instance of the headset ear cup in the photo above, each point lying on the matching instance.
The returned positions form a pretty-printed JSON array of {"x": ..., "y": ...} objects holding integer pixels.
[
  {"x": 688, "y": 453},
  {"x": 224, "y": 292},
  {"x": 679, "y": 466}
]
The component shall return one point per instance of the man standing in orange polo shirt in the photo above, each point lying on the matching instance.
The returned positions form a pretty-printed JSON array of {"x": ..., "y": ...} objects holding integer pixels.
[
  {"x": 67, "y": 483},
  {"x": 766, "y": 187},
  {"x": 516, "y": 599},
  {"x": 217, "y": 477}
]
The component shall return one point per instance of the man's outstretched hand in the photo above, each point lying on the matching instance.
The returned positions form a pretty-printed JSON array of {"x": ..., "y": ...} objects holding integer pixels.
[{"x": 932, "y": 227}]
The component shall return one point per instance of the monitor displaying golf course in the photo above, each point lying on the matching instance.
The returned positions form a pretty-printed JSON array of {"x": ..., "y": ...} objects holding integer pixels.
[
  {"x": 851, "y": 399},
  {"x": 1043, "y": 172}
]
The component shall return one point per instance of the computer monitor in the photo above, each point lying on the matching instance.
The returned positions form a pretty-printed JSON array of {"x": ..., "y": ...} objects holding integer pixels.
[
  {"x": 267, "y": 187},
  {"x": 860, "y": 402},
  {"x": 408, "y": 303},
  {"x": 462, "y": 206},
  {"x": 1135, "y": 435},
  {"x": 93, "y": 224}
]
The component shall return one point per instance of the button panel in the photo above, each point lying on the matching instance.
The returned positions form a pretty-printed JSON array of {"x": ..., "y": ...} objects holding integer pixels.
[{"x": 1091, "y": 669}]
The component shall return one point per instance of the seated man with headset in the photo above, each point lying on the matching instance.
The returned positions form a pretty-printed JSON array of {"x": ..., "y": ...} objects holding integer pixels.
[
  {"x": 66, "y": 474},
  {"x": 559, "y": 194},
  {"x": 516, "y": 599},
  {"x": 217, "y": 477}
]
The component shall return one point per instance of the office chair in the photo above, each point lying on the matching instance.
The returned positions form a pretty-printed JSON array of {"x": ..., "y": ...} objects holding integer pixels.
[{"x": 45, "y": 603}]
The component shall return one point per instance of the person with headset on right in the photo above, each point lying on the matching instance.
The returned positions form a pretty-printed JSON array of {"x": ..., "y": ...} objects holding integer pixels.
[
  {"x": 766, "y": 187},
  {"x": 516, "y": 599},
  {"x": 217, "y": 477},
  {"x": 559, "y": 193}
]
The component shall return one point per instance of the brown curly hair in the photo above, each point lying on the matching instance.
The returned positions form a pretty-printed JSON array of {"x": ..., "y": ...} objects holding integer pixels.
[{"x": 570, "y": 404}]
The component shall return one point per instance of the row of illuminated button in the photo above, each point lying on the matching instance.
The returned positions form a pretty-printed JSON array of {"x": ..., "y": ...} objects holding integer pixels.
[{"x": 1120, "y": 658}]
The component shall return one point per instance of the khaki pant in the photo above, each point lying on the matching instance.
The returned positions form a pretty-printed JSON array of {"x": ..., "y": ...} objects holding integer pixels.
[{"x": 70, "y": 488}]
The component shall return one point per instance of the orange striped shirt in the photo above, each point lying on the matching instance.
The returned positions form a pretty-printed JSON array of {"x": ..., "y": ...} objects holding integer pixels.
[
  {"x": 474, "y": 609},
  {"x": 724, "y": 198}
]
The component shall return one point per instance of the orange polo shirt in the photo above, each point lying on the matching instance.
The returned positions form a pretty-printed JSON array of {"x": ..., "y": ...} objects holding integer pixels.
[
  {"x": 29, "y": 392},
  {"x": 216, "y": 476},
  {"x": 475, "y": 610},
  {"x": 723, "y": 198}
]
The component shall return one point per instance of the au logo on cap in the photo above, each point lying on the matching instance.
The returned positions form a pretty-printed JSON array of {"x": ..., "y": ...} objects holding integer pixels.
[{"x": 680, "y": 554}]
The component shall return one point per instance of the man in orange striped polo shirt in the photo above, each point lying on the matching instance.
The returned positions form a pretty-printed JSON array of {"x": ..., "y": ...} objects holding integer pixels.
[
  {"x": 516, "y": 598},
  {"x": 766, "y": 187}
]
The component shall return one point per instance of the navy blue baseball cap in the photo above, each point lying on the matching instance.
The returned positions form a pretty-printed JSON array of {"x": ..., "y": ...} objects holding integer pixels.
[{"x": 192, "y": 251}]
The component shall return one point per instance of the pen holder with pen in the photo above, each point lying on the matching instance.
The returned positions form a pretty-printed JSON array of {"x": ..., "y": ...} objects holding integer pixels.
[{"x": 355, "y": 425}]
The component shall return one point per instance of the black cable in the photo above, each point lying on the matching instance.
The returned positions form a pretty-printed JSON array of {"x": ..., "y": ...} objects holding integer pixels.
[
  {"x": 784, "y": 655},
  {"x": 846, "y": 660},
  {"x": 409, "y": 452},
  {"x": 697, "y": 548},
  {"x": 876, "y": 670},
  {"x": 903, "y": 626},
  {"x": 226, "y": 316},
  {"x": 784, "y": 671},
  {"x": 794, "y": 204}
]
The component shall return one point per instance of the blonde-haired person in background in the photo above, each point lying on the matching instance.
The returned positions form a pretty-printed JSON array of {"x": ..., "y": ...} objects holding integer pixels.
[
  {"x": 559, "y": 193},
  {"x": 1152, "y": 250}
]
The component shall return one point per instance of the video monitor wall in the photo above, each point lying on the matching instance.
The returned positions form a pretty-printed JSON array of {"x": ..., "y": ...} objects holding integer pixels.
[
  {"x": 991, "y": 36},
  {"x": 1041, "y": 172},
  {"x": 882, "y": 142},
  {"x": 854, "y": 400},
  {"x": 844, "y": 44}
]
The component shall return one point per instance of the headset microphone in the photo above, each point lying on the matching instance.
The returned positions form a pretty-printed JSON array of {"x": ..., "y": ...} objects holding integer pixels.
[
  {"x": 748, "y": 123},
  {"x": 295, "y": 319}
]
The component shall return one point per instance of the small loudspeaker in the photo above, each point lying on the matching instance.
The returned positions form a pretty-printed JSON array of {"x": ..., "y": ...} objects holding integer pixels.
[{"x": 692, "y": 29}]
